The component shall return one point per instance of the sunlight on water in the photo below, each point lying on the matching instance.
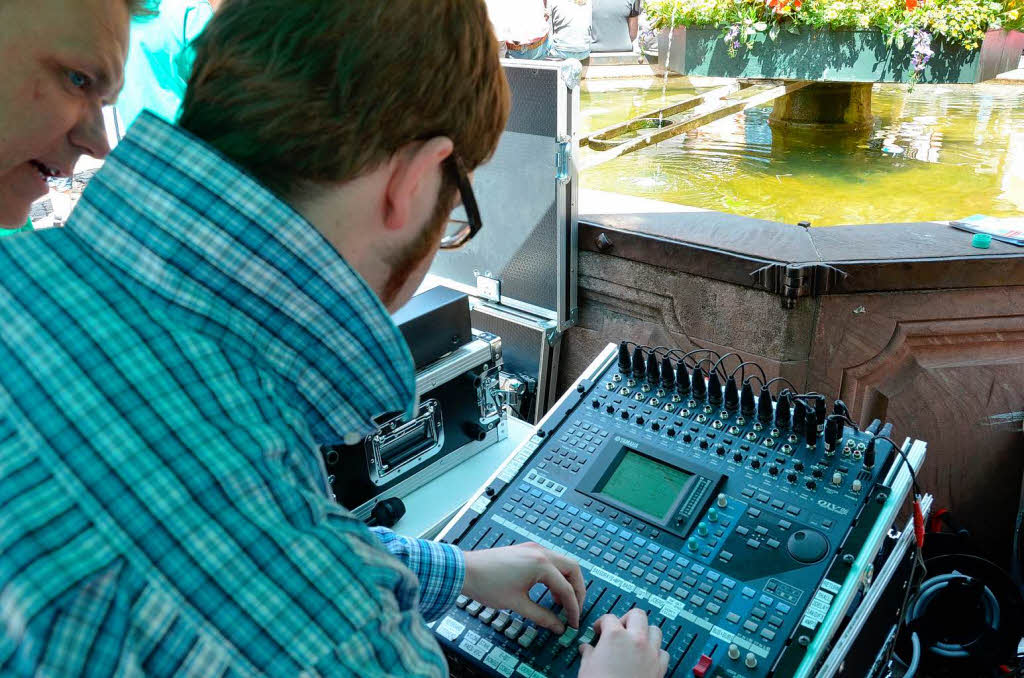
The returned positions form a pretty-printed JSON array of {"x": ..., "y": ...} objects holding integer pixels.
[{"x": 937, "y": 153}]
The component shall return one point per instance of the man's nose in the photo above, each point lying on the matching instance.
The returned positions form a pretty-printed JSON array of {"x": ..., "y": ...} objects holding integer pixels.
[{"x": 90, "y": 133}]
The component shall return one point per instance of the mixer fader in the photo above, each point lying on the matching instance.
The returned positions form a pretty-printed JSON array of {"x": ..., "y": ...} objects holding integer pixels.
[{"x": 726, "y": 511}]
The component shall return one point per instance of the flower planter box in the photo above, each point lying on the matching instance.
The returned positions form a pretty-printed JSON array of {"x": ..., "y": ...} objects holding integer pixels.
[{"x": 839, "y": 56}]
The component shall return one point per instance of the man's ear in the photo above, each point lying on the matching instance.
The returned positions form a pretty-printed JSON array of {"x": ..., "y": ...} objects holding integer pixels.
[{"x": 413, "y": 171}]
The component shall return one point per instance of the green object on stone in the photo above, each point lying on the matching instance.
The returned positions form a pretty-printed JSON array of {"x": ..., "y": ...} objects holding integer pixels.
[{"x": 981, "y": 241}]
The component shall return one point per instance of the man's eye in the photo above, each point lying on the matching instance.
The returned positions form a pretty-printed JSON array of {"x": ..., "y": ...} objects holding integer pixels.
[{"x": 78, "y": 79}]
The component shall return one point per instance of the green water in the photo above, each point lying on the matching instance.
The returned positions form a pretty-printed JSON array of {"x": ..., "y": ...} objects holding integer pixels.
[{"x": 936, "y": 153}]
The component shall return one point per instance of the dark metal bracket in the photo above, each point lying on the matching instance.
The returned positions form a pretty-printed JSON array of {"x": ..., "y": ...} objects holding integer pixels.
[{"x": 793, "y": 281}]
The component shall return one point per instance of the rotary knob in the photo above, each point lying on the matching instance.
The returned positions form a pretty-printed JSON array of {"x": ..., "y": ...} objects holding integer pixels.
[
  {"x": 655, "y": 426},
  {"x": 640, "y": 421},
  {"x": 837, "y": 478},
  {"x": 755, "y": 464},
  {"x": 595, "y": 403},
  {"x": 773, "y": 470},
  {"x": 713, "y": 515},
  {"x": 610, "y": 409},
  {"x": 703, "y": 444},
  {"x": 734, "y": 651},
  {"x": 702, "y": 529},
  {"x": 720, "y": 450},
  {"x": 807, "y": 546},
  {"x": 791, "y": 477},
  {"x": 687, "y": 438},
  {"x": 625, "y": 414},
  {"x": 722, "y": 501},
  {"x": 692, "y": 544},
  {"x": 670, "y": 432},
  {"x": 751, "y": 660},
  {"x": 816, "y": 473},
  {"x": 737, "y": 457},
  {"x": 811, "y": 484},
  {"x": 855, "y": 486},
  {"x": 798, "y": 466}
]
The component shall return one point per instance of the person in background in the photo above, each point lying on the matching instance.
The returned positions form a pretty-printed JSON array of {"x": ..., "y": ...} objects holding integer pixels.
[
  {"x": 497, "y": 13},
  {"x": 62, "y": 62},
  {"x": 527, "y": 26},
  {"x": 571, "y": 28},
  {"x": 160, "y": 59},
  {"x": 615, "y": 25},
  {"x": 647, "y": 39}
]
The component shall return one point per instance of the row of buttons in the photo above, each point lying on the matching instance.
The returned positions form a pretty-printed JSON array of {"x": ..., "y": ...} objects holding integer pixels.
[
  {"x": 569, "y": 460},
  {"x": 760, "y": 618},
  {"x": 601, "y": 544},
  {"x": 573, "y": 510},
  {"x": 778, "y": 504},
  {"x": 501, "y": 621},
  {"x": 540, "y": 482},
  {"x": 617, "y": 548},
  {"x": 754, "y": 512}
]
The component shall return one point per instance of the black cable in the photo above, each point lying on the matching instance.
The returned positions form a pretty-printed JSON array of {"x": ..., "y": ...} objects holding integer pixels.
[
  {"x": 715, "y": 367},
  {"x": 696, "y": 350},
  {"x": 704, "y": 360},
  {"x": 903, "y": 455},
  {"x": 743, "y": 376},
  {"x": 718, "y": 364},
  {"x": 788, "y": 383},
  {"x": 752, "y": 378},
  {"x": 845, "y": 419}
]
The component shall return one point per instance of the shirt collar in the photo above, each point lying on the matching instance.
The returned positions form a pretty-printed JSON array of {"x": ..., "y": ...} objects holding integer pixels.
[{"x": 185, "y": 222}]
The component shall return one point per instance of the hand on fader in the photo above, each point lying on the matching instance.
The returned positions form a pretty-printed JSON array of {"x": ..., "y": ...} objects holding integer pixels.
[
  {"x": 502, "y": 578},
  {"x": 627, "y": 647}
]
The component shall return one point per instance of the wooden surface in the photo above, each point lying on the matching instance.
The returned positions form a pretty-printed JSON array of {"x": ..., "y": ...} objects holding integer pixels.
[{"x": 710, "y": 110}]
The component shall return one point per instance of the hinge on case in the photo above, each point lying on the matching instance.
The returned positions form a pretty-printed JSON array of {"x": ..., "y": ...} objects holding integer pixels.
[
  {"x": 562, "y": 158},
  {"x": 488, "y": 288}
]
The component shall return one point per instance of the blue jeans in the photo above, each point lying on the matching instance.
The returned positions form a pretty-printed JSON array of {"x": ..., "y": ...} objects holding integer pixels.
[
  {"x": 557, "y": 53},
  {"x": 536, "y": 53}
]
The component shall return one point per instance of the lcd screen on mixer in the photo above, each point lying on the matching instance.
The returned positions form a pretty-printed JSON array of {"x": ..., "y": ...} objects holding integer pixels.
[{"x": 644, "y": 484}]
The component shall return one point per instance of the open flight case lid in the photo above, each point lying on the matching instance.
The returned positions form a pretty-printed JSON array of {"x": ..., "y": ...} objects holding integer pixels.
[{"x": 524, "y": 258}]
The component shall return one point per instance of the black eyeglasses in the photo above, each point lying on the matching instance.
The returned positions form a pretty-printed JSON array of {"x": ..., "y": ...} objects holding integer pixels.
[{"x": 460, "y": 232}]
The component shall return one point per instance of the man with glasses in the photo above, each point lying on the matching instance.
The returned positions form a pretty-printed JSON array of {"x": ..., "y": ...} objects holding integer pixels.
[{"x": 214, "y": 312}]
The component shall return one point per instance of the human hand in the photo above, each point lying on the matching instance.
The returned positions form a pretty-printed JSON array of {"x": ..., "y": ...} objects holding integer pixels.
[
  {"x": 626, "y": 647},
  {"x": 502, "y": 578}
]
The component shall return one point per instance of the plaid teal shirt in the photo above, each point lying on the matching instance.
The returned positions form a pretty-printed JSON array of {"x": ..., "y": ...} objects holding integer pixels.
[{"x": 173, "y": 358}]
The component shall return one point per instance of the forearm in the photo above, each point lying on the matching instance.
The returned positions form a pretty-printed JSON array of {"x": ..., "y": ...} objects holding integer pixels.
[{"x": 440, "y": 569}]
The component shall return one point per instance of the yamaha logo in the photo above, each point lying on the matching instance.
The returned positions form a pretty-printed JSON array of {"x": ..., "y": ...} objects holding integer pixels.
[{"x": 833, "y": 507}]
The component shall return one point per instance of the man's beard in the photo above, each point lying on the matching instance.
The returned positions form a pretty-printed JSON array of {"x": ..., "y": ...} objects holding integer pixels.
[{"x": 404, "y": 263}]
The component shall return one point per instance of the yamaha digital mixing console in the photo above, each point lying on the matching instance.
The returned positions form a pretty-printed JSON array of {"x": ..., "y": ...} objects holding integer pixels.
[{"x": 732, "y": 518}]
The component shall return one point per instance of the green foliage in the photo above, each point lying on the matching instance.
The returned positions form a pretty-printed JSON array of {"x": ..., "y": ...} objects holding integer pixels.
[{"x": 960, "y": 22}]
